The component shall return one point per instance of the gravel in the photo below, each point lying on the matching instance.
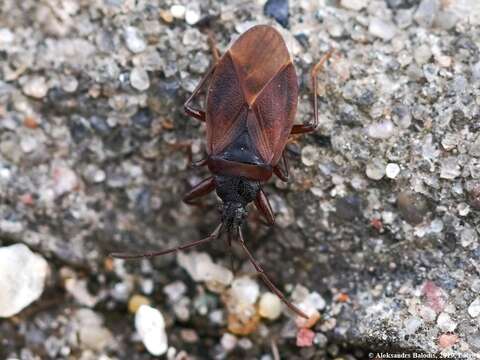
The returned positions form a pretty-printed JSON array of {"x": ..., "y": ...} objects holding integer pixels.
[{"x": 379, "y": 219}]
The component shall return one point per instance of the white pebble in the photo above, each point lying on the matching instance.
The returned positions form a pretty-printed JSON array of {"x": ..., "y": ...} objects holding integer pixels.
[
  {"x": 6, "y": 37},
  {"x": 192, "y": 14},
  {"x": 134, "y": 40},
  {"x": 392, "y": 170},
  {"x": 139, "y": 79},
  {"x": 22, "y": 278},
  {"x": 178, "y": 11},
  {"x": 201, "y": 268},
  {"x": 445, "y": 322},
  {"x": 245, "y": 290},
  {"x": 150, "y": 326},
  {"x": 474, "y": 308},
  {"x": 449, "y": 168},
  {"x": 310, "y": 155},
  {"x": 412, "y": 324},
  {"x": 382, "y": 29},
  {"x": 35, "y": 87},
  {"x": 354, "y": 4},
  {"x": 65, "y": 180},
  {"x": 228, "y": 341},
  {"x": 28, "y": 144},
  {"x": 91, "y": 332},
  {"x": 375, "y": 169},
  {"x": 270, "y": 306},
  {"x": 381, "y": 130}
]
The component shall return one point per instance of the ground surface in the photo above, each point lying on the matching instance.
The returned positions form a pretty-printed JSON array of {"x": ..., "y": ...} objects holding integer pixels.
[{"x": 380, "y": 217}]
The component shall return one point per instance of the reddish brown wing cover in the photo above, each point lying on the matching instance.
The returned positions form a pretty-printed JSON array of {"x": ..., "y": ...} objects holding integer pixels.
[
  {"x": 253, "y": 85},
  {"x": 275, "y": 109},
  {"x": 225, "y": 102}
]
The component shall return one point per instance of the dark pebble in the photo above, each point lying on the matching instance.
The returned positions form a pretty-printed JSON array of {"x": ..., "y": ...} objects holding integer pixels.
[
  {"x": 413, "y": 207},
  {"x": 278, "y": 9}
]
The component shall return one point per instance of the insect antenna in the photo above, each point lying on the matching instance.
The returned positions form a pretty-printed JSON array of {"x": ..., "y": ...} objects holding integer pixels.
[
  {"x": 149, "y": 254},
  {"x": 267, "y": 280}
]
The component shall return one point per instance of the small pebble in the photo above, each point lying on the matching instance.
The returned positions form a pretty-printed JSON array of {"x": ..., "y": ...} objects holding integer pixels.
[
  {"x": 446, "y": 341},
  {"x": 392, "y": 170},
  {"x": 65, "y": 180},
  {"x": 412, "y": 324},
  {"x": 426, "y": 12},
  {"x": 310, "y": 155},
  {"x": 22, "y": 278},
  {"x": 201, "y": 268},
  {"x": 435, "y": 296},
  {"x": 35, "y": 87},
  {"x": 134, "y": 40},
  {"x": 139, "y": 79},
  {"x": 245, "y": 290},
  {"x": 305, "y": 337},
  {"x": 449, "y": 168},
  {"x": 422, "y": 54},
  {"x": 136, "y": 301},
  {"x": 385, "y": 30},
  {"x": 474, "y": 308},
  {"x": 6, "y": 37},
  {"x": 270, "y": 306},
  {"x": 92, "y": 333},
  {"x": 375, "y": 169},
  {"x": 178, "y": 11},
  {"x": 175, "y": 291},
  {"x": 150, "y": 326},
  {"x": 354, "y": 4},
  {"x": 228, "y": 341},
  {"x": 382, "y": 130},
  {"x": 192, "y": 14},
  {"x": 28, "y": 144},
  {"x": 468, "y": 236},
  {"x": 445, "y": 322},
  {"x": 278, "y": 9}
]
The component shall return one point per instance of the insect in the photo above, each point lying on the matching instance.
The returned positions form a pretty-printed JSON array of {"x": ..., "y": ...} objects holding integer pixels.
[{"x": 252, "y": 94}]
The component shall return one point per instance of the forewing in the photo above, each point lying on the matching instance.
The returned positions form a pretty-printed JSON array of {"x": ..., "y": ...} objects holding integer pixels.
[
  {"x": 274, "y": 113},
  {"x": 226, "y": 107},
  {"x": 258, "y": 54}
]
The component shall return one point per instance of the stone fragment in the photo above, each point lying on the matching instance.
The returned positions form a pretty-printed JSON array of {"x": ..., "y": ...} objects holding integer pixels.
[
  {"x": 139, "y": 79},
  {"x": 305, "y": 337},
  {"x": 383, "y": 29},
  {"x": 354, "y": 4},
  {"x": 474, "y": 308},
  {"x": 92, "y": 333},
  {"x": 22, "y": 278},
  {"x": 270, "y": 306},
  {"x": 392, "y": 170},
  {"x": 36, "y": 87},
  {"x": 278, "y": 9},
  {"x": 134, "y": 40},
  {"x": 445, "y": 322},
  {"x": 375, "y": 169},
  {"x": 426, "y": 12},
  {"x": 150, "y": 325}
]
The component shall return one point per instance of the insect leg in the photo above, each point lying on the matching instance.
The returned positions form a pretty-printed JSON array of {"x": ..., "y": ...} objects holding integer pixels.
[
  {"x": 263, "y": 205},
  {"x": 150, "y": 254},
  {"x": 194, "y": 112},
  {"x": 309, "y": 127},
  {"x": 213, "y": 47},
  {"x": 203, "y": 188},
  {"x": 282, "y": 171},
  {"x": 267, "y": 280},
  {"x": 200, "y": 163}
]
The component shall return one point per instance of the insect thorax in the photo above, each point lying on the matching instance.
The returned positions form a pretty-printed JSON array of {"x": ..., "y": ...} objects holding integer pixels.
[
  {"x": 235, "y": 192},
  {"x": 235, "y": 189}
]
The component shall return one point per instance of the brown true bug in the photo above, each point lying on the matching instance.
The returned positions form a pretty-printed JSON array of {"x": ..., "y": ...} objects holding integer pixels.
[{"x": 251, "y": 101}]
